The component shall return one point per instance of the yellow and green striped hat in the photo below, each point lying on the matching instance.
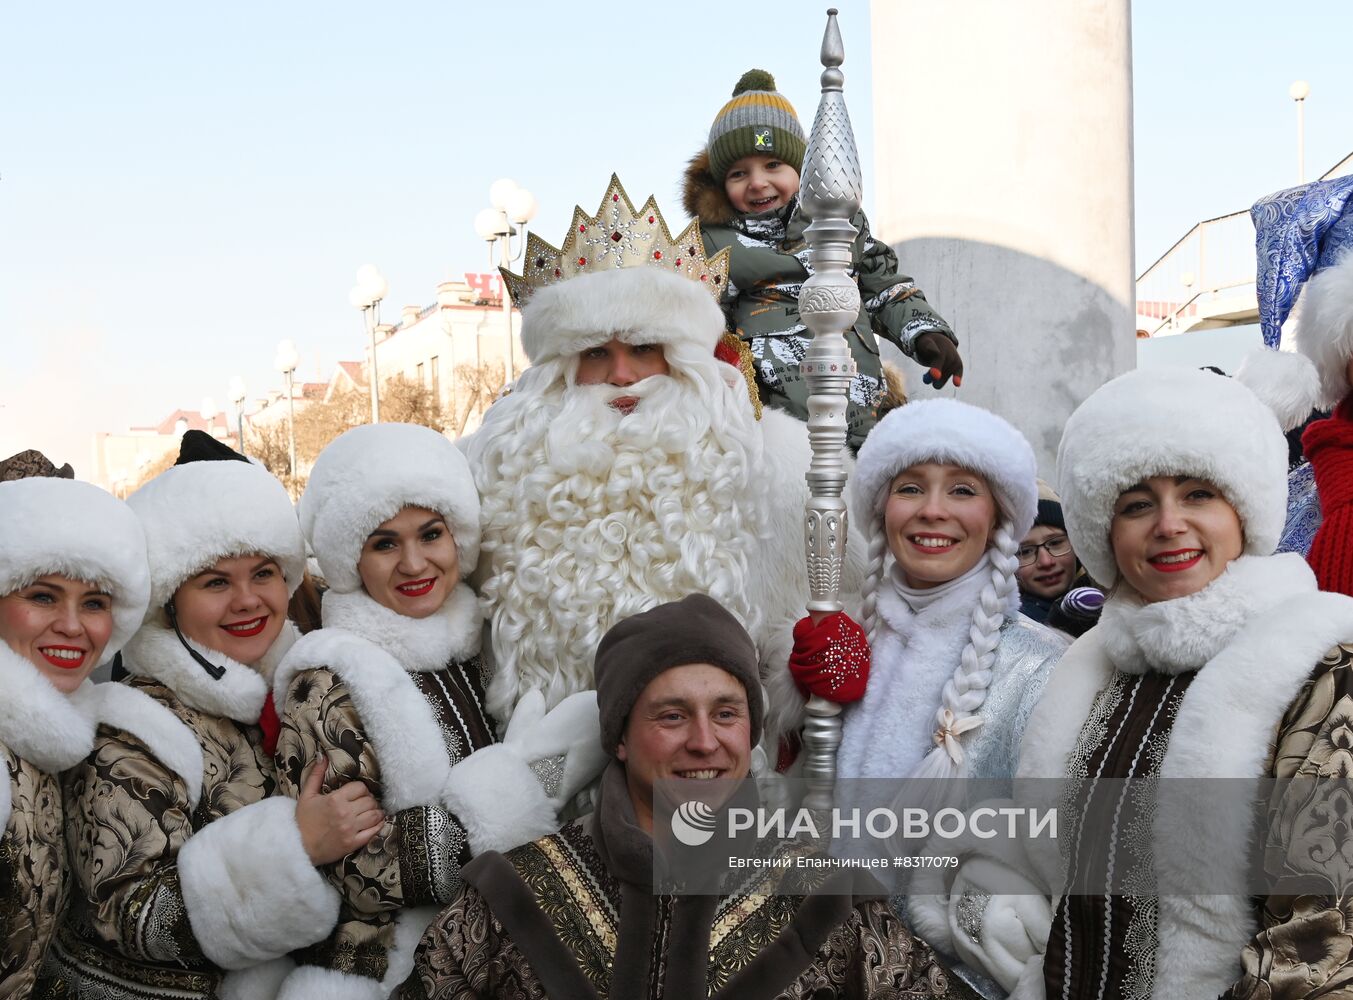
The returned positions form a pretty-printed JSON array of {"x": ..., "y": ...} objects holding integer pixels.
[{"x": 757, "y": 120}]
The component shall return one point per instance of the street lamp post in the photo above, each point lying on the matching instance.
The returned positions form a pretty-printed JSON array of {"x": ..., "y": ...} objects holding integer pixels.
[
  {"x": 286, "y": 361},
  {"x": 237, "y": 396},
  {"x": 513, "y": 207},
  {"x": 1299, "y": 91},
  {"x": 208, "y": 409},
  {"x": 366, "y": 295}
]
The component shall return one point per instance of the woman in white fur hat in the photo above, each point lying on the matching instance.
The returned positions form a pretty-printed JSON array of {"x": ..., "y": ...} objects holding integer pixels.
[
  {"x": 73, "y": 589},
  {"x": 391, "y": 692},
  {"x": 1213, "y": 659},
  {"x": 190, "y": 880},
  {"x": 944, "y": 493}
]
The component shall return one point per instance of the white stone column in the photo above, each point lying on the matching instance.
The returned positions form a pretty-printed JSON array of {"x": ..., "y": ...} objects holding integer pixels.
[{"x": 1003, "y": 178}]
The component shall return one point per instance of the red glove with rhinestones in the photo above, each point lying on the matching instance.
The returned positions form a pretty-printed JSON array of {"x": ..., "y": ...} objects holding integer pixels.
[{"x": 830, "y": 659}]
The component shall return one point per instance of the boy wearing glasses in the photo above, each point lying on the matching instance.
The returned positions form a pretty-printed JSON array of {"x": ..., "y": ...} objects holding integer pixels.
[{"x": 1053, "y": 589}]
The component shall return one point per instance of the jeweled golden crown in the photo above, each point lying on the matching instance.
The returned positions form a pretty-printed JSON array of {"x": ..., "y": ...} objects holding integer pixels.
[{"x": 617, "y": 236}]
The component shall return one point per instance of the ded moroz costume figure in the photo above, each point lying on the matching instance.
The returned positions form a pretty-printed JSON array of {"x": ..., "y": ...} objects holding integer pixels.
[
  {"x": 602, "y": 500},
  {"x": 391, "y": 693},
  {"x": 190, "y": 880},
  {"x": 54, "y": 527}
]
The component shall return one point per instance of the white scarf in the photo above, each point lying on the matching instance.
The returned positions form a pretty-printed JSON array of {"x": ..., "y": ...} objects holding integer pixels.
[{"x": 920, "y": 637}]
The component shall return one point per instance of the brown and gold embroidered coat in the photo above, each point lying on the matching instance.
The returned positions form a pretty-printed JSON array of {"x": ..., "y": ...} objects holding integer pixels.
[{"x": 573, "y": 916}]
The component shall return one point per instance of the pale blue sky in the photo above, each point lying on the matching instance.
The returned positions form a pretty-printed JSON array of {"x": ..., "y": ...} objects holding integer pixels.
[{"x": 181, "y": 186}]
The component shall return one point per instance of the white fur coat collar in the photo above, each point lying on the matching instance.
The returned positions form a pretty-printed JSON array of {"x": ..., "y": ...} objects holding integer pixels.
[
  {"x": 419, "y": 644},
  {"x": 1176, "y": 636},
  {"x": 374, "y": 650},
  {"x": 156, "y": 652},
  {"x": 1257, "y": 655},
  {"x": 40, "y": 724},
  {"x": 886, "y": 733}
]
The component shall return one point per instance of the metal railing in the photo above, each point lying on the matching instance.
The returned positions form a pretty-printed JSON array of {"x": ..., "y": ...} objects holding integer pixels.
[{"x": 1213, "y": 259}]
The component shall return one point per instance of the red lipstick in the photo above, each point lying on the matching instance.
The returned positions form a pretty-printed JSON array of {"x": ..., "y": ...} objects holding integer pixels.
[
  {"x": 248, "y": 628},
  {"x": 49, "y": 653},
  {"x": 416, "y": 588},
  {"x": 1175, "y": 567}
]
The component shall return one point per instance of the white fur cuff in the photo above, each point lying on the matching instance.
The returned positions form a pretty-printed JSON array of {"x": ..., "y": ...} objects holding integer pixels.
[
  {"x": 258, "y": 982},
  {"x": 251, "y": 891},
  {"x": 311, "y": 982},
  {"x": 499, "y": 800}
]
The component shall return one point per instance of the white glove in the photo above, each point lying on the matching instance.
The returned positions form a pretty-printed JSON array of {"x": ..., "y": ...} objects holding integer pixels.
[
  {"x": 562, "y": 746},
  {"x": 999, "y": 933},
  {"x": 511, "y": 793}
]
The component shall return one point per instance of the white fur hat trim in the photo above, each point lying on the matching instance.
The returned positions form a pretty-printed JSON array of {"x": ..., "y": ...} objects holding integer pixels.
[
  {"x": 1324, "y": 330},
  {"x": 73, "y": 529},
  {"x": 201, "y": 512},
  {"x": 953, "y": 433},
  {"x": 369, "y": 474},
  {"x": 1170, "y": 422},
  {"x": 636, "y": 305}
]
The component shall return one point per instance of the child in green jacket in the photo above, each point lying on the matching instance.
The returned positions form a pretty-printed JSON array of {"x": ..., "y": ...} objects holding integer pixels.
[{"x": 743, "y": 187}]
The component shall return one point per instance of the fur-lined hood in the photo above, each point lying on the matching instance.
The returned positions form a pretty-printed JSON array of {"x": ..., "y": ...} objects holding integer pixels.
[{"x": 702, "y": 196}]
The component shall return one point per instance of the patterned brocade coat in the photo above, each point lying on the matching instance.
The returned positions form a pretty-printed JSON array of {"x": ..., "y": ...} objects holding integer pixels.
[
  {"x": 41, "y": 733},
  {"x": 397, "y": 703},
  {"x": 572, "y": 917},
  {"x": 165, "y": 820}
]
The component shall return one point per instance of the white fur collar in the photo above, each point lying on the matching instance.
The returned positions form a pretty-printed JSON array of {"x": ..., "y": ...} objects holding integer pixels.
[
  {"x": 1176, "y": 636},
  {"x": 48, "y": 729},
  {"x": 419, "y": 644},
  {"x": 394, "y": 715},
  {"x": 156, "y": 652},
  {"x": 889, "y": 731}
]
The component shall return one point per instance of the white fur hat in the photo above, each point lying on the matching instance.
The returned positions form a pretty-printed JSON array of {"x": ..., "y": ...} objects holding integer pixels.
[
  {"x": 636, "y": 305},
  {"x": 200, "y": 512},
  {"x": 366, "y": 476},
  {"x": 76, "y": 530},
  {"x": 954, "y": 433},
  {"x": 1170, "y": 422}
]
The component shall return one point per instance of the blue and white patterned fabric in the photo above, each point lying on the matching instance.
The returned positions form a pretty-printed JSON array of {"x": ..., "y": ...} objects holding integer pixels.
[
  {"x": 1297, "y": 232},
  {"x": 1303, "y": 511}
]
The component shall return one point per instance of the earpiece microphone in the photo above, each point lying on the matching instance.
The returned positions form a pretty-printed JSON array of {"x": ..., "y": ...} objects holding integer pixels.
[{"x": 212, "y": 669}]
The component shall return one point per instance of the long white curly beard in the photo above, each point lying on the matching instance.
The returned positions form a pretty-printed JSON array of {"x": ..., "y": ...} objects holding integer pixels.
[{"x": 590, "y": 516}]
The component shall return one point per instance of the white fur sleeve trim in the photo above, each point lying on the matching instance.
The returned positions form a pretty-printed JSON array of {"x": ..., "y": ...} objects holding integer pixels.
[
  {"x": 395, "y": 716},
  {"x": 166, "y": 735},
  {"x": 250, "y": 889},
  {"x": 311, "y": 982},
  {"x": 499, "y": 800},
  {"x": 258, "y": 982},
  {"x": 5, "y": 797}
]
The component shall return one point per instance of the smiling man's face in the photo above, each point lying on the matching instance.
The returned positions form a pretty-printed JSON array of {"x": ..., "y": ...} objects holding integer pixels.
[{"x": 691, "y": 724}]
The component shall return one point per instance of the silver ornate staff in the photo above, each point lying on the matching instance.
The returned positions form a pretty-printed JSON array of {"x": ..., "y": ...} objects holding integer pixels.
[{"x": 829, "y": 303}]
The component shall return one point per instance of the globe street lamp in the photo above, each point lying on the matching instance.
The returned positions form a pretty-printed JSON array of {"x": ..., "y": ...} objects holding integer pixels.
[
  {"x": 237, "y": 396},
  {"x": 513, "y": 207},
  {"x": 208, "y": 412},
  {"x": 366, "y": 295},
  {"x": 286, "y": 361},
  {"x": 1299, "y": 91}
]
